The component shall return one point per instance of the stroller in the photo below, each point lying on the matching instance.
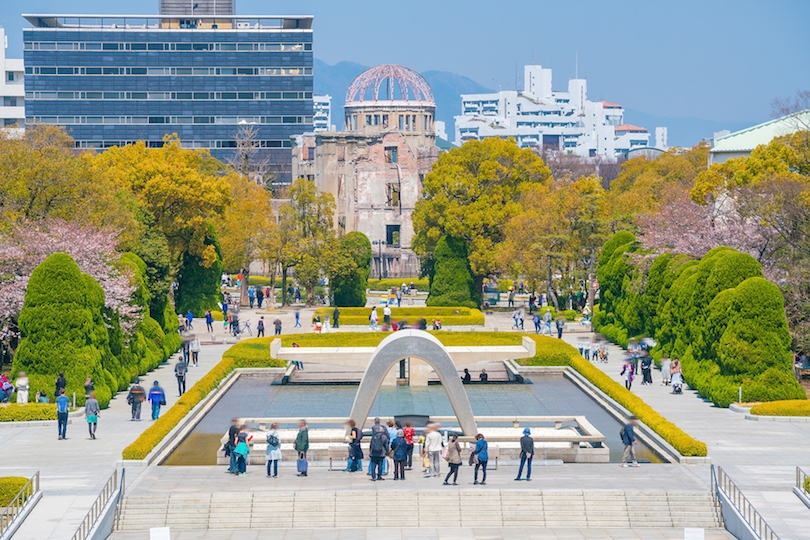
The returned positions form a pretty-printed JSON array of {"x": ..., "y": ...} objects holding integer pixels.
[{"x": 677, "y": 383}]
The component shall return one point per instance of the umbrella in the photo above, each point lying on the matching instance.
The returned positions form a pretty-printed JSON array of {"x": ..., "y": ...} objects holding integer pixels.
[{"x": 649, "y": 342}]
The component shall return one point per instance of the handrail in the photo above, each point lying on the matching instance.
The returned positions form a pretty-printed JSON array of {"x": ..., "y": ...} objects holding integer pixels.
[
  {"x": 95, "y": 511},
  {"x": 802, "y": 480},
  {"x": 716, "y": 496},
  {"x": 10, "y": 512},
  {"x": 120, "y": 498},
  {"x": 744, "y": 507}
]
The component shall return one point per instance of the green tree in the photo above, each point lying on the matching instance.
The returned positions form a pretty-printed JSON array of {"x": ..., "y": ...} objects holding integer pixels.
[
  {"x": 471, "y": 193},
  {"x": 198, "y": 285},
  {"x": 349, "y": 266},
  {"x": 452, "y": 282}
]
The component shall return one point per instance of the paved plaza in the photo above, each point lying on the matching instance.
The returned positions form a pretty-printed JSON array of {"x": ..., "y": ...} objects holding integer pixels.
[{"x": 759, "y": 456}]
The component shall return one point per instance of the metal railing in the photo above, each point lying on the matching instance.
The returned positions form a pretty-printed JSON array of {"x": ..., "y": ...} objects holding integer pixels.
[
  {"x": 802, "y": 481},
  {"x": 745, "y": 508},
  {"x": 16, "y": 505},
  {"x": 95, "y": 511},
  {"x": 716, "y": 497},
  {"x": 120, "y": 498}
]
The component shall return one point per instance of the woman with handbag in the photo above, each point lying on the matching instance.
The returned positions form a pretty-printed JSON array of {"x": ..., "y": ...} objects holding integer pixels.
[
  {"x": 273, "y": 453},
  {"x": 399, "y": 453},
  {"x": 481, "y": 458},
  {"x": 453, "y": 459}
]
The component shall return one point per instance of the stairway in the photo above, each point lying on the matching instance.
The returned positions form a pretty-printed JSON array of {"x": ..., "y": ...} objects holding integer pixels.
[{"x": 489, "y": 507}]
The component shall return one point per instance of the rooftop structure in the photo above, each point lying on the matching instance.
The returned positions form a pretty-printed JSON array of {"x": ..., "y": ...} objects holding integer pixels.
[
  {"x": 197, "y": 7},
  {"x": 171, "y": 22},
  {"x": 539, "y": 116},
  {"x": 389, "y": 83},
  {"x": 741, "y": 143}
]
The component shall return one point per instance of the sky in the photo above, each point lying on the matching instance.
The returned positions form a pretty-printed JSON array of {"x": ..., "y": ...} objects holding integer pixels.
[{"x": 722, "y": 60}]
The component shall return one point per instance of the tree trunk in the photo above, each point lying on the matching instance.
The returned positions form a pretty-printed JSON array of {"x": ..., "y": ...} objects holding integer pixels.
[
  {"x": 551, "y": 294},
  {"x": 270, "y": 293},
  {"x": 283, "y": 285},
  {"x": 311, "y": 293},
  {"x": 591, "y": 291},
  {"x": 243, "y": 299}
]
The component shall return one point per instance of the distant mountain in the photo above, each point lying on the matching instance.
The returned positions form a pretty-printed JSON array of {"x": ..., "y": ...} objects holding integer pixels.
[
  {"x": 447, "y": 89},
  {"x": 683, "y": 131}
]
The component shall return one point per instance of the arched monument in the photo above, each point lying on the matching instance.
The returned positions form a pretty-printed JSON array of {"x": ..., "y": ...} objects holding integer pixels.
[{"x": 413, "y": 344}]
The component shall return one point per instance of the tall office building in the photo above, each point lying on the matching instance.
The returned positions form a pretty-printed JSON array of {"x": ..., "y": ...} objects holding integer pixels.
[
  {"x": 12, "y": 90},
  {"x": 112, "y": 80}
]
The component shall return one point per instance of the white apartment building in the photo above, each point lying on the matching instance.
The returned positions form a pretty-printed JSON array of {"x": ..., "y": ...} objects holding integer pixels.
[
  {"x": 540, "y": 116},
  {"x": 322, "y": 113},
  {"x": 12, "y": 88}
]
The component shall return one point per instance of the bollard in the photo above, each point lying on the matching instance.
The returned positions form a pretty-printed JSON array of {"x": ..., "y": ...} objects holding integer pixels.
[
  {"x": 740, "y": 400},
  {"x": 74, "y": 400}
]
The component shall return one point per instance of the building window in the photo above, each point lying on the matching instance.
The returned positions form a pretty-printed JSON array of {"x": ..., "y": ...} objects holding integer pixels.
[
  {"x": 392, "y": 195},
  {"x": 10, "y": 76},
  {"x": 390, "y": 154},
  {"x": 310, "y": 153},
  {"x": 392, "y": 235},
  {"x": 385, "y": 120},
  {"x": 401, "y": 123},
  {"x": 9, "y": 101}
]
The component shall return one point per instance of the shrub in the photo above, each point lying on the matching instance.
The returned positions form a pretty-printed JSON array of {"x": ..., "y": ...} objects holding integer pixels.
[
  {"x": 198, "y": 282},
  {"x": 10, "y": 486},
  {"x": 794, "y": 407},
  {"x": 27, "y": 413},
  {"x": 63, "y": 330},
  {"x": 450, "y": 316},
  {"x": 388, "y": 284},
  {"x": 570, "y": 314},
  {"x": 262, "y": 281},
  {"x": 372, "y": 339},
  {"x": 453, "y": 283},
  {"x": 349, "y": 289},
  {"x": 550, "y": 352}
]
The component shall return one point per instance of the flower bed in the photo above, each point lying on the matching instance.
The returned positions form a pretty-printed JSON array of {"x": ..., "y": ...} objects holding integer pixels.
[{"x": 449, "y": 316}]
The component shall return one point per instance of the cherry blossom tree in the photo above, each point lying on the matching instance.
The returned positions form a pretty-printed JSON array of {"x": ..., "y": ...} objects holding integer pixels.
[{"x": 27, "y": 244}]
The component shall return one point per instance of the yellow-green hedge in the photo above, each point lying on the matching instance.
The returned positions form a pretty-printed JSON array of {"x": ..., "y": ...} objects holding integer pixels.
[
  {"x": 245, "y": 354},
  {"x": 10, "y": 486},
  {"x": 388, "y": 284},
  {"x": 790, "y": 407},
  {"x": 372, "y": 339},
  {"x": 27, "y": 413},
  {"x": 450, "y": 316}
]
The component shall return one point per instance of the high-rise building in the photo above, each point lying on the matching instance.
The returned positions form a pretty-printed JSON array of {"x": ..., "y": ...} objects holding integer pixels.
[
  {"x": 112, "y": 80},
  {"x": 541, "y": 117},
  {"x": 12, "y": 88},
  {"x": 322, "y": 117}
]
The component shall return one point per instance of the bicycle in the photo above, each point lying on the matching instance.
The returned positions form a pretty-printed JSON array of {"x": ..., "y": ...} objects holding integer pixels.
[{"x": 237, "y": 329}]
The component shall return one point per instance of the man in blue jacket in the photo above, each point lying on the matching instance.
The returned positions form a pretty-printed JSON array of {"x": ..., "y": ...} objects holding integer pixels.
[
  {"x": 629, "y": 440},
  {"x": 157, "y": 398}
]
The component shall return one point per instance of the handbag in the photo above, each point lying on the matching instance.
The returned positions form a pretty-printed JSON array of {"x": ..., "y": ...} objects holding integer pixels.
[
  {"x": 162, "y": 402},
  {"x": 426, "y": 462},
  {"x": 473, "y": 458},
  {"x": 302, "y": 465},
  {"x": 445, "y": 453}
]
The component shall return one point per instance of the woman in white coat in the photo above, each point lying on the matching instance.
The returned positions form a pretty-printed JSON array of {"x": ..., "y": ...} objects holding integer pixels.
[
  {"x": 273, "y": 455},
  {"x": 22, "y": 388}
]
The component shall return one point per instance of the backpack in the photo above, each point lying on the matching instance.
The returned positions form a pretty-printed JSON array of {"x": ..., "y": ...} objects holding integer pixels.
[
  {"x": 359, "y": 436},
  {"x": 273, "y": 441},
  {"x": 377, "y": 446}
]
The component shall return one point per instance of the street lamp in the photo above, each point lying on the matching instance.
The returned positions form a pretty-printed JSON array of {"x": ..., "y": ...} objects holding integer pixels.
[{"x": 380, "y": 244}]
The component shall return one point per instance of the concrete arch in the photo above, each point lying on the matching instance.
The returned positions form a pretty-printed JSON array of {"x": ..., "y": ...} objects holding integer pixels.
[{"x": 413, "y": 344}]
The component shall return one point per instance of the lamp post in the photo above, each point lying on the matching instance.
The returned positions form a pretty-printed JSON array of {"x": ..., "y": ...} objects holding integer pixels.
[{"x": 380, "y": 244}]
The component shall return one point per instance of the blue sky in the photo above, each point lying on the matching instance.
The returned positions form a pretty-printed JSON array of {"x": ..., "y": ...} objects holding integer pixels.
[{"x": 721, "y": 60}]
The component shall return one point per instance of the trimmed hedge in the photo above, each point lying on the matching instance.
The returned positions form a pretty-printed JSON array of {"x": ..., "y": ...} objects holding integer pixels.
[
  {"x": 554, "y": 352},
  {"x": 349, "y": 288},
  {"x": 245, "y": 354},
  {"x": 388, "y": 284},
  {"x": 372, "y": 339},
  {"x": 28, "y": 413},
  {"x": 10, "y": 486},
  {"x": 723, "y": 320},
  {"x": 450, "y": 316},
  {"x": 452, "y": 282},
  {"x": 793, "y": 407}
]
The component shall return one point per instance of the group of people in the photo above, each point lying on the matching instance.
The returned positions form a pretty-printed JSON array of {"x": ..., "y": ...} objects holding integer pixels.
[{"x": 640, "y": 359}]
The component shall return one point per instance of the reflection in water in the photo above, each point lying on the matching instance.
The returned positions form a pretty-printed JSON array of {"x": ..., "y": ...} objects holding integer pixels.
[{"x": 256, "y": 397}]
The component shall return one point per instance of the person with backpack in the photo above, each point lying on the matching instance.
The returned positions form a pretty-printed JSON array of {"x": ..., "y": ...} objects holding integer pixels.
[
  {"x": 260, "y": 327},
  {"x": 536, "y": 321},
  {"x": 301, "y": 446},
  {"x": 399, "y": 453},
  {"x": 377, "y": 450},
  {"x": 355, "y": 451},
  {"x": 273, "y": 454},
  {"x": 251, "y": 296},
  {"x": 157, "y": 397},
  {"x": 453, "y": 459},
  {"x": 135, "y": 397},
  {"x": 259, "y": 296},
  {"x": 180, "y": 369},
  {"x": 61, "y": 384},
  {"x": 526, "y": 454},
  {"x": 479, "y": 458},
  {"x": 209, "y": 321},
  {"x": 628, "y": 437}
]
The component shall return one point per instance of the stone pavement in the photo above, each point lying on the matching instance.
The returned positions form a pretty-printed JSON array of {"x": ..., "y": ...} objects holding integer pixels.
[
  {"x": 429, "y": 533},
  {"x": 760, "y": 457}
]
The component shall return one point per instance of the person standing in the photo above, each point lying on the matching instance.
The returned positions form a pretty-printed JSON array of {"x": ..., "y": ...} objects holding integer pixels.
[
  {"x": 260, "y": 327},
  {"x": 195, "y": 347},
  {"x": 373, "y": 318},
  {"x": 91, "y": 413},
  {"x": 301, "y": 446},
  {"x": 377, "y": 450},
  {"x": 646, "y": 369},
  {"x": 89, "y": 387},
  {"x": 189, "y": 320},
  {"x": 628, "y": 372},
  {"x": 230, "y": 446},
  {"x": 242, "y": 451},
  {"x": 409, "y": 433},
  {"x": 157, "y": 398},
  {"x": 259, "y": 296},
  {"x": 336, "y": 318},
  {"x": 629, "y": 440},
  {"x": 526, "y": 454},
  {"x": 273, "y": 454},
  {"x": 434, "y": 444},
  {"x": 666, "y": 367},
  {"x": 547, "y": 322},
  {"x": 185, "y": 350},
  {"x": 180, "y": 369},
  {"x": 481, "y": 458},
  {"x": 453, "y": 459},
  {"x": 62, "y": 408},
  {"x": 135, "y": 397},
  {"x": 387, "y": 315},
  {"x": 277, "y": 325},
  {"x": 560, "y": 326},
  {"x": 251, "y": 296},
  {"x": 536, "y": 321},
  {"x": 399, "y": 448},
  {"x": 60, "y": 383},
  {"x": 355, "y": 451},
  {"x": 22, "y": 385},
  {"x": 209, "y": 321},
  {"x": 511, "y": 298}
]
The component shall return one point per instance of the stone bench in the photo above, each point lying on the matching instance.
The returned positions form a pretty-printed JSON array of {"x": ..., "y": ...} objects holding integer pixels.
[{"x": 339, "y": 453}]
